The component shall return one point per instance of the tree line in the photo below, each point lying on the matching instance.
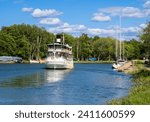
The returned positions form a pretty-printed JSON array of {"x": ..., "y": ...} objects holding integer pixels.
[{"x": 30, "y": 42}]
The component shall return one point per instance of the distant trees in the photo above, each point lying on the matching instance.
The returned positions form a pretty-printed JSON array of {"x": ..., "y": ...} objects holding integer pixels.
[
  {"x": 26, "y": 41},
  {"x": 30, "y": 42},
  {"x": 133, "y": 49},
  {"x": 104, "y": 48},
  {"x": 145, "y": 40},
  {"x": 100, "y": 48},
  {"x": 7, "y": 44}
]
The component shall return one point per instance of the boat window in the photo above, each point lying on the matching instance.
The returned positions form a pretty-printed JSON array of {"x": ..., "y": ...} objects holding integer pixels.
[
  {"x": 58, "y": 54},
  {"x": 57, "y": 46},
  {"x": 50, "y": 46},
  {"x": 50, "y": 54}
]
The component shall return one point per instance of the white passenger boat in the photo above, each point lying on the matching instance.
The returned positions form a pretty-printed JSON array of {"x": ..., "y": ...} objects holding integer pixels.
[{"x": 59, "y": 55}]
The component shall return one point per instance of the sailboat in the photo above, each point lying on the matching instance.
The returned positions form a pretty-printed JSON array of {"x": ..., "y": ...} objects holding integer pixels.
[{"x": 119, "y": 61}]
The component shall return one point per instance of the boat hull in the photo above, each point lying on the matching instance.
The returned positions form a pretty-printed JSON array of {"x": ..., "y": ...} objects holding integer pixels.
[
  {"x": 116, "y": 66},
  {"x": 50, "y": 65}
]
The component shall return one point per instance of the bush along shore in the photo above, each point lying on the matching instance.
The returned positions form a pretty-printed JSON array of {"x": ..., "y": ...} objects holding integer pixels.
[{"x": 139, "y": 93}]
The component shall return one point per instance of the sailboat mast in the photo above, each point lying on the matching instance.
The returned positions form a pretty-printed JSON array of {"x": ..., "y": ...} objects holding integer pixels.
[
  {"x": 123, "y": 49},
  {"x": 116, "y": 43},
  {"x": 63, "y": 39},
  {"x": 120, "y": 37}
]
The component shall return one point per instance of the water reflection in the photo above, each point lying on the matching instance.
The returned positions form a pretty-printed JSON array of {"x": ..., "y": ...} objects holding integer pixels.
[
  {"x": 36, "y": 79},
  {"x": 85, "y": 84},
  {"x": 23, "y": 81},
  {"x": 52, "y": 76}
]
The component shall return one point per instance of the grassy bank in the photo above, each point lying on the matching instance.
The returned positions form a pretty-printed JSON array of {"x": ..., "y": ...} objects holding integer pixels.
[{"x": 139, "y": 94}]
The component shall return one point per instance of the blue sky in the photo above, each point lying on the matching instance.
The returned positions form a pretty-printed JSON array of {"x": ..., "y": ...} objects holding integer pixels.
[{"x": 94, "y": 17}]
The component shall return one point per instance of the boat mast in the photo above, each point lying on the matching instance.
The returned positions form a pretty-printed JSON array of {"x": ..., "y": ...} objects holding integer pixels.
[
  {"x": 116, "y": 43},
  {"x": 120, "y": 37},
  {"x": 63, "y": 39},
  {"x": 123, "y": 50}
]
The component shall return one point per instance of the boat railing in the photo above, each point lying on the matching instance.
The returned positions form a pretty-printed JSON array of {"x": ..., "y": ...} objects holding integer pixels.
[{"x": 60, "y": 50}]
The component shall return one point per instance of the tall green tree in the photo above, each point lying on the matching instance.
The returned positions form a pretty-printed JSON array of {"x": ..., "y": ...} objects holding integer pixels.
[
  {"x": 145, "y": 38},
  {"x": 7, "y": 45},
  {"x": 30, "y": 40},
  {"x": 132, "y": 49}
]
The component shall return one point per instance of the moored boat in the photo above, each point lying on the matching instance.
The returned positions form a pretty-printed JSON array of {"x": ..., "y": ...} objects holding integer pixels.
[
  {"x": 59, "y": 55},
  {"x": 120, "y": 60},
  {"x": 34, "y": 62},
  {"x": 10, "y": 59},
  {"x": 118, "y": 64}
]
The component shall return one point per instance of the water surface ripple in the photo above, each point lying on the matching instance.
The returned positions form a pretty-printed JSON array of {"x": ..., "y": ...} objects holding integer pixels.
[{"x": 31, "y": 84}]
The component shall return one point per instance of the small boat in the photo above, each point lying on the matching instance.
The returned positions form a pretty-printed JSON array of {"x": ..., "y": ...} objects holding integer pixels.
[
  {"x": 34, "y": 62},
  {"x": 59, "y": 55},
  {"x": 10, "y": 59},
  {"x": 118, "y": 63}
]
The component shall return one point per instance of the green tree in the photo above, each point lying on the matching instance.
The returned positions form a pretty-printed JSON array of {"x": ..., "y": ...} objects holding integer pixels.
[
  {"x": 7, "y": 44},
  {"x": 145, "y": 38},
  {"x": 30, "y": 40},
  {"x": 132, "y": 49}
]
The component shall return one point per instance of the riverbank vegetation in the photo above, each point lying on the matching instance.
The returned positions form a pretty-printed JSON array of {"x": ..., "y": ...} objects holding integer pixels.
[
  {"x": 30, "y": 42},
  {"x": 139, "y": 94}
]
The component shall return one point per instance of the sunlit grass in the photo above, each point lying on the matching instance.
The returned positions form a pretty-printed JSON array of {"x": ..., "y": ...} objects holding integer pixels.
[{"x": 139, "y": 94}]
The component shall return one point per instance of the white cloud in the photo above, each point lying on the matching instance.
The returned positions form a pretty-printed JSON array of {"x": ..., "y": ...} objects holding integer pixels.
[
  {"x": 143, "y": 25},
  {"x": 50, "y": 21},
  {"x": 67, "y": 28},
  {"x": 131, "y": 30},
  {"x": 124, "y": 11},
  {"x": 45, "y": 12},
  {"x": 112, "y": 10},
  {"x": 27, "y": 9},
  {"x": 147, "y": 4},
  {"x": 132, "y": 12},
  {"x": 100, "y": 17},
  {"x": 100, "y": 32},
  {"x": 127, "y": 33}
]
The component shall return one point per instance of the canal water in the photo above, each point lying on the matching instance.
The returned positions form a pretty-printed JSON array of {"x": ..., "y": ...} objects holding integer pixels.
[{"x": 86, "y": 84}]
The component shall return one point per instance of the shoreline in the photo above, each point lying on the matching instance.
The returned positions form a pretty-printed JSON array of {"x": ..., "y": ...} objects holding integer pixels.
[
  {"x": 93, "y": 62},
  {"x": 140, "y": 90},
  {"x": 75, "y": 62}
]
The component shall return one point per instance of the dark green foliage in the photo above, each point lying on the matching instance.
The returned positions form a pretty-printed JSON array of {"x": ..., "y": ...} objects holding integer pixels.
[
  {"x": 26, "y": 41},
  {"x": 132, "y": 49},
  {"x": 145, "y": 38},
  {"x": 7, "y": 44}
]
